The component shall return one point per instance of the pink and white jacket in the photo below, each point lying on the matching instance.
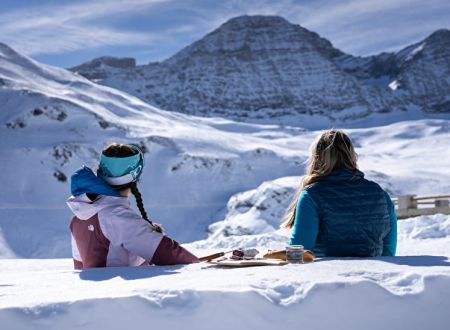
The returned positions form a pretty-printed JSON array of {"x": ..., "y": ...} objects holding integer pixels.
[{"x": 108, "y": 233}]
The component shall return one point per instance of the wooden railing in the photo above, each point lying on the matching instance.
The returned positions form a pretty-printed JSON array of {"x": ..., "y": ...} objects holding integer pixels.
[{"x": 411, "y": 205}]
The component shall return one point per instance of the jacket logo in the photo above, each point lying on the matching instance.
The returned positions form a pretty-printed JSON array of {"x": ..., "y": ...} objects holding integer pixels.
[{"x": 91, "y": 227}]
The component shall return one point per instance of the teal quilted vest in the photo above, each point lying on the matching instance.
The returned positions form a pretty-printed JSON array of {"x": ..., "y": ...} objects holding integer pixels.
[{"x": 353, "y": 214}]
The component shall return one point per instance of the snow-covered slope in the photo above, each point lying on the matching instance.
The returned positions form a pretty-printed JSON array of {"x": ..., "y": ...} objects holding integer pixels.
[
  {"x": 264, "y": 68},
  {"x": 252, "y": 218},
  {"x": 53, "y": 121}
]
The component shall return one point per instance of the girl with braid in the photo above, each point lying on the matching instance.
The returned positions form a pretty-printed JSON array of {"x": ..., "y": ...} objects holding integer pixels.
[{"x": 106, "y": 232}]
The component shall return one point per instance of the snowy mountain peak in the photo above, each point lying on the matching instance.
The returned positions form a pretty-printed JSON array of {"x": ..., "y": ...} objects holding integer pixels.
[
  {"x": 269, "y": 29},
  {"x": 439, "y": 36},
  {"x": 255, "y": 21},
  {"x": 98, "y": 67},
  {"x": 7, "y": 53},
  {"x": 438, "y": 43},
  {"x": 113, "y": 62},
  {"x": 5, "y": 48},
  {"x": 242, "y": 36},
  {"x": 257, "y": 68}
]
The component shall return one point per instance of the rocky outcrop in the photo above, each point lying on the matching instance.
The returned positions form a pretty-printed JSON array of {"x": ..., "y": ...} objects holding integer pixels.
[{"x": 102, "y": 67}]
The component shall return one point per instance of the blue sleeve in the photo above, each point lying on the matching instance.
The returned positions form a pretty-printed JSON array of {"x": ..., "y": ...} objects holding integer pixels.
[
  {"x": 390, "y": 241},
  {"x": 306, "y": 224}
]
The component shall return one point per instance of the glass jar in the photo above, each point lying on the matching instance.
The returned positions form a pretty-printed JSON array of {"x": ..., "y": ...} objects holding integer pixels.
[{"x": 294, "y": 254}]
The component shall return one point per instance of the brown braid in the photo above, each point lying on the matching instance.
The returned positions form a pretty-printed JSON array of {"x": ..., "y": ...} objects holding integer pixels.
[{"x": 140, "y": 204}]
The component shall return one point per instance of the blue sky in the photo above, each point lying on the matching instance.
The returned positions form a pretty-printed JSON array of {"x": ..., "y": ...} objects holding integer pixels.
[{"x": 67, "y": 33}]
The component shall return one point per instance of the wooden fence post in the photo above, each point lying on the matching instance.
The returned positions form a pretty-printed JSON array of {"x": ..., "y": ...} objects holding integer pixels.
[
  {"x": 407, "y": 202},
  {"x": 441, "y": 203},
  {"x": 407, "y": 206}
]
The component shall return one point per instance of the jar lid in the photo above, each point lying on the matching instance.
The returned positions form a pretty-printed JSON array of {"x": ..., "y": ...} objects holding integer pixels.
[{"x": 295, "y": 247}]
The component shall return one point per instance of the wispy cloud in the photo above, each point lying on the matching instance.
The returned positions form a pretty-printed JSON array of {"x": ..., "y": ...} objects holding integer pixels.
[
  {"x": 62, "y": 28},
  {"x": 371, "y": 26},
  {"x": 359, "y": 27},
  {"x": 155, "y": 29}
]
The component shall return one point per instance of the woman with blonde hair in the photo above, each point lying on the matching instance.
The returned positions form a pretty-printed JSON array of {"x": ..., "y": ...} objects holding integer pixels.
[{"x": 336, "y": 211}]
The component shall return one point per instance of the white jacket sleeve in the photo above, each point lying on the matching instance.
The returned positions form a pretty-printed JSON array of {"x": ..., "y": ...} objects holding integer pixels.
[{"x": 124, "y": 227}]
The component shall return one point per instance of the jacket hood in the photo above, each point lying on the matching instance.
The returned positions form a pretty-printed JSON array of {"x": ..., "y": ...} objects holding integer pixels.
[
  {"x": 85, "y": 181},
  {"x": 84, "y": 208}
]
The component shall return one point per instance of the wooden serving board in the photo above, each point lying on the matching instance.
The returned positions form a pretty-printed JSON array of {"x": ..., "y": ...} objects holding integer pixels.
[{"x": 247, "y": 263}]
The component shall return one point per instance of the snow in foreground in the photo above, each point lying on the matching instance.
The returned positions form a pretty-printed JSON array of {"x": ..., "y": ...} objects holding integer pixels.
[{"x": 410, "y": 291}]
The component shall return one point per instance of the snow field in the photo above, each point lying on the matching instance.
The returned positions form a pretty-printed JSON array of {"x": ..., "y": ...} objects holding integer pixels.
[
  {"x": 187, "y": 183},
  {"x": 54, "y": 121},
  {"x": 329, "y": 306},
  {"x": 409, "y": 290},
  {"x": 214, "y": 184}
]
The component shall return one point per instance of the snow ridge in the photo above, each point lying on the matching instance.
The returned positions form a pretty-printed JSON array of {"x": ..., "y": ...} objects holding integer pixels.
[{"x": 404, "y": 291}]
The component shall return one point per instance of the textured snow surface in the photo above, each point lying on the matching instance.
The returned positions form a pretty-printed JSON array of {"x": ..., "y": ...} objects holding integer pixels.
[
  {"x": 201, "y": 173},
  {"x": 214, "y": 184},
  {"x": 407, "y": 291}
]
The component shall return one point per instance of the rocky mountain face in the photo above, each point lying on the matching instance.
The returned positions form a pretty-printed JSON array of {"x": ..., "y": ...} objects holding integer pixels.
[
  {"x": 265, "y": 67},
  {"x": 419, "y": 73},
  {"x": 102, "y": 67}
]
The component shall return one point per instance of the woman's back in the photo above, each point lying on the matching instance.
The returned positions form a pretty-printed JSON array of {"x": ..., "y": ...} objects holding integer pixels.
[
  {"x": 108, "y": 233},
  {"x": 105, "y": 230},
  {"x": 336, "y": 211},
  {"x": 353, "y": 213}
]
